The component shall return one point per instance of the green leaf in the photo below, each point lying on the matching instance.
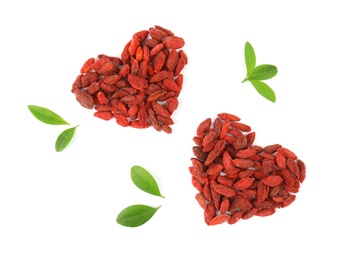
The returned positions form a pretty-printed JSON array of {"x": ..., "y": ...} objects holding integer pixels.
[
  {"x": 264, "y": 90},
  {"x": 135, "y": 215},
  {"x": 262, "y": 72},
  {"x": 65, "y": 138},
  {"x": 46, "y": 116},
  {"x": 145, "y": 181},
  {"x": 250, "y": 57}
]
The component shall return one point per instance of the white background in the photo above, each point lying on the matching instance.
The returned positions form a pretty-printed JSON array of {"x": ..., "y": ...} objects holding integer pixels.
[{"x": 64, "y": 205}]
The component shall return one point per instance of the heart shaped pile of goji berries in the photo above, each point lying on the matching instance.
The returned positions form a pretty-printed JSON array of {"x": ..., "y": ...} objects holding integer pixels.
[
  {"x": 236, "y": 179},
  {"x": 139, "y": 89}
]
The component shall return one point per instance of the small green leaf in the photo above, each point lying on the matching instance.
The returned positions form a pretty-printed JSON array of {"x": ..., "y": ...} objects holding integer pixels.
[
  {"x": 250, "y": 57},
  {"x": 264, "y": 90},
  {"x": 145, "y": 181},
  {"x": 46, "y": 116},
  {"x": 65, "y": 138},
  {"x": 135, "y": 215},
  {"x": 262, "y": 72}
]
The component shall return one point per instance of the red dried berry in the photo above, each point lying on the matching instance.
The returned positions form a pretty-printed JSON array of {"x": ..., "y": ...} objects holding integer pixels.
[
  {"x": 147, "y": 72},
  {"x": 237, "y": 178}
]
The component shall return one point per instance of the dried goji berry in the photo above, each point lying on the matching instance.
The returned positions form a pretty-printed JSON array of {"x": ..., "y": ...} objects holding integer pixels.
[
  {"x": 218, "y": 149},
  {"x": 241, "y": 202},
  {"x": 238, "y": 178},
  {"x": 243, "y": 163},
  {"x": 209, "y": 212},
  {"x": 293, "y": 167},
  {"x": 246, "y": 153},
  {"x": 223, "y": 190},
  {"x": 201, "y": 200},
  {"x": 272, "y": 180},
  {"x": 228, "y": 117},
  {"x": 172, "y": 104},
  {"x": 151, "y": 56},
  {"x": 302, "y": 167},
  {"x": 86, "y": 67},
  {"x": 265, "y": 212},
  {"x": 137, "y": 82},
  {"x": 287, "y": 153},
  {"x": 173, "y": 42},
  {"x": 244, "y": 183},
  {"x": 122, "y": 120},
  {"x": 172, "y": 60},
  {"x": 105, "y": 115},
  {"x": 197, "y": 184},
  {"x": 224, "y": 206},
  {"x": 291, "y": 198},
  {"x": 219, "y": 219},
  {"x": 288, "y": 178},
  {"x": 235, "y": 217},
  {"x": 102, "y": 98},
  {"x": 158, "y": 61},
  {"x": 281, "y": 161},
  {"x": 85, "y": 99}
]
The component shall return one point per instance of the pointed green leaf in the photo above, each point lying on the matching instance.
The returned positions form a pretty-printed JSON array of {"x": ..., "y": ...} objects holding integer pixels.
[
  {"x": 262, "y": 72},
  {"x": 135, "y": 215},
  {"x": 46, "y": 116},
  {"x": 145, "y": 181},
  {"x": 250, "y": 57},
  {"x": 264, "y": 90},
  {"x": 65, "y": 138}
]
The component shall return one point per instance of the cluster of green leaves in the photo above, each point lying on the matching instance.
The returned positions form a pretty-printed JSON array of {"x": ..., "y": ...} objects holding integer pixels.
[
  {"x": 47, "y": 116},
  {"x": 255, "y": 74},
  {"x": 137, "y": 215}
]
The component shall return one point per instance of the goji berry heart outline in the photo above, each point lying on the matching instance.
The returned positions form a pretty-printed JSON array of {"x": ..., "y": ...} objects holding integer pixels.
[
  {"x": 236, "y": 179},
  {"x": 141, "y": 88}
]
